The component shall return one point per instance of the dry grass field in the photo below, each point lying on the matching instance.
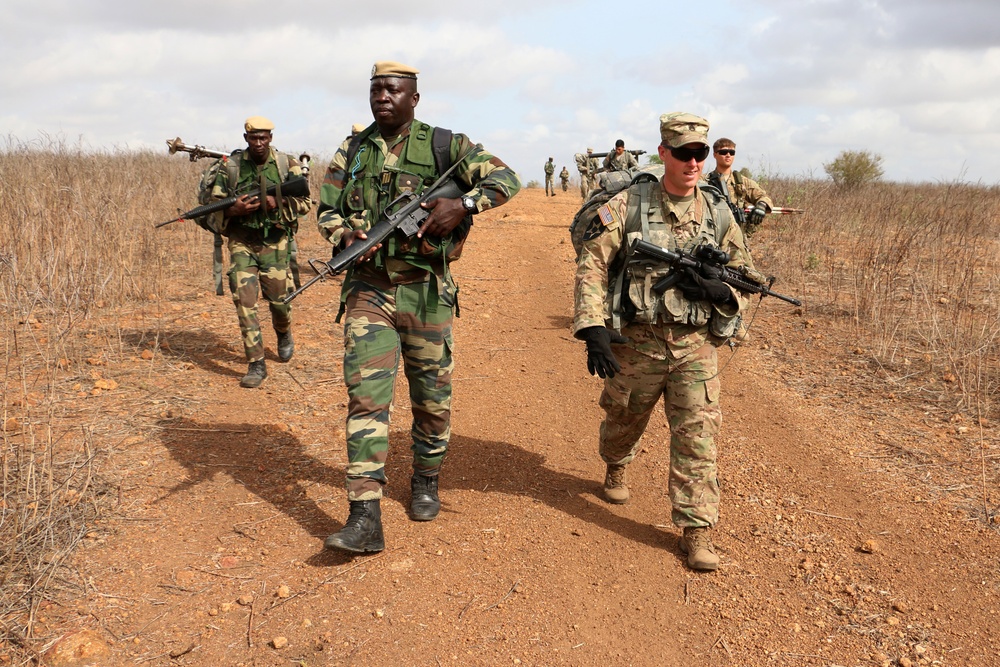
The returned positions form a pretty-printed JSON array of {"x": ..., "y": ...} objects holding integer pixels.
[{"x": 874, "y": 404}]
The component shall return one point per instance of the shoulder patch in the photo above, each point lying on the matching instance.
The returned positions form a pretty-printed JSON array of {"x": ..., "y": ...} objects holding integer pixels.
[{"x": 605, "y": 215}]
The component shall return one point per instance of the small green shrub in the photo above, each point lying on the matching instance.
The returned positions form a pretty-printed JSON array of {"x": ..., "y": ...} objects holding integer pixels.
[{"x": 854, "y": 168}]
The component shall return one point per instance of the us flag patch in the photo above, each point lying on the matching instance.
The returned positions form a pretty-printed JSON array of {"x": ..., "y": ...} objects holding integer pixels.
[{"x": 604, "y": 213}]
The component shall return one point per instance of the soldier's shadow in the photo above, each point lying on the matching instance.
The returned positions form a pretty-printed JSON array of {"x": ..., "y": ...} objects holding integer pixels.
[
  {"x": 494, "y": 467},
  {"x": 205, "y": 349},
  {"x": 268, "y": 462},
  {"x": 273, "y": 465}
]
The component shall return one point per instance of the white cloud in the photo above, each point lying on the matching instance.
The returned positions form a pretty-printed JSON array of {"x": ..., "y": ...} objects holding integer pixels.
[{"x": 792, "y": 81}]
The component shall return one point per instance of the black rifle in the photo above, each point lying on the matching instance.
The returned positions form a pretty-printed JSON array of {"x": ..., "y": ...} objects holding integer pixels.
[
  {"x": 643, "y": 250},
  {"x": 293, "y": 187},
  {"x": 719, "y": 183},
  {"x": 408, "y": 218}
]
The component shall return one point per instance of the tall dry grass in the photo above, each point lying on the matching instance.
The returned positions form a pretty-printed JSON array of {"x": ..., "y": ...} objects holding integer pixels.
[
  {"x": 912, "y": 268},
  {"x": 915, "y": 268},
  {"x": 77, "y": 249}
]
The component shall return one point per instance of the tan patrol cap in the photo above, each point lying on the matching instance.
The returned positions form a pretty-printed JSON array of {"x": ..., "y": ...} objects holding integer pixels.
[
  {"x": 394, "y": 69},
  {"x": 679, "y": 129},
  {"x": 357, "y": 128},
  {"x": 255, "y": 123}
]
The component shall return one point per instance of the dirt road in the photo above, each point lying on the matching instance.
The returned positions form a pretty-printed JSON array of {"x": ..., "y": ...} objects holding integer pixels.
[{"x": 836, "y": 549}]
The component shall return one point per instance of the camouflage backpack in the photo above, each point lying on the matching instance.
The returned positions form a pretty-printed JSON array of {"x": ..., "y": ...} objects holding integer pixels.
[
  {"x": 611, "y": 184},
  {"x": 215, "y": 222}
]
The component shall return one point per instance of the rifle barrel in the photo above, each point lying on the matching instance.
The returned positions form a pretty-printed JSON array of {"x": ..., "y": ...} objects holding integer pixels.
[{"x": 293, "y": 187}]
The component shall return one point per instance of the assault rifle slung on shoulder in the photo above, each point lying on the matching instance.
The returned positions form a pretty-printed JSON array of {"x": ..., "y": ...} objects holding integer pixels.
[
  {"x": 197, "y": 152},
  {"x": 641, "y": 250}
]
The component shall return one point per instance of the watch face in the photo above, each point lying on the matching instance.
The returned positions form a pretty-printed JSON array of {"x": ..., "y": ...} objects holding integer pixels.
[{"x": 469, "y": 204}]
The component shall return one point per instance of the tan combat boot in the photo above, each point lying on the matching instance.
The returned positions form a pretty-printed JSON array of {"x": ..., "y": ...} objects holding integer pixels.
[
  {"x": 742, "y": 335},
  {"x": 615, "y": 490},
  {"x": 697, "y": 544}
]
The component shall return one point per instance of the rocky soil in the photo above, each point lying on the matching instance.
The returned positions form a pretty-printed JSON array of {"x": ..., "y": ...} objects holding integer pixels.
[{"x": 856, "y": 526}]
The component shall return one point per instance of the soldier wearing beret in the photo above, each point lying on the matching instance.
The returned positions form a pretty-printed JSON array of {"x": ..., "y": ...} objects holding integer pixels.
[
  {"x": 260, "y": 234},
  {"x": 400, "y": 297},
  {"x": 647, "y": 345}
]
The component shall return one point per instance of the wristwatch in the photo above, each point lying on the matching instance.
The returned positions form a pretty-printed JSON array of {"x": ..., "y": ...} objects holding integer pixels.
[{"x": 469, "y": 204}]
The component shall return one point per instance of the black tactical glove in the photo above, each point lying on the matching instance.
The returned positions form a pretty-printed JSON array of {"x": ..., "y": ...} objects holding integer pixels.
[
  {"x": 706, "y": 286},
  {"x": 600, "y": 359},
  {"x": 756, "y": 215}
]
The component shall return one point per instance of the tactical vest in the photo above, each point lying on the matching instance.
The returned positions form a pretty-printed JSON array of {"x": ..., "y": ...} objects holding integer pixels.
[
  {"x": 633, "y": 299},
  {"x": 427, "y": 154},
  {"x": 217, "y": 223}
]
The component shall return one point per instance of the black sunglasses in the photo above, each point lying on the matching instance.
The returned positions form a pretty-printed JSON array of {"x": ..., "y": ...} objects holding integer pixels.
[
  {"x": 726, "y": 151},
  {"x": 687, "y": 154}
]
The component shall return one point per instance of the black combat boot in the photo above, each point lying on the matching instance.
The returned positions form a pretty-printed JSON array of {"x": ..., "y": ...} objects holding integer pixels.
[
  {"x": 256, "y": 373},
  {"x": 286, "y": 346},
  {"x": 363, "y": 530},
  {"x": 424, "y": 501}
]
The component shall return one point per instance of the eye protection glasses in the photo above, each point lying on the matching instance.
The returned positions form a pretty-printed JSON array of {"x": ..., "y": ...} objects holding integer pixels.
[{"x": 687, "y": 154}]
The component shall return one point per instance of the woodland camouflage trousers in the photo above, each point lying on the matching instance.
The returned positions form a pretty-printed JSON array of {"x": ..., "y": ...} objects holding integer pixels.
[
  {"x": 256, "y": 266},
  {"x": 691, "y": 403},
  {"x": 409, "y": 321}
]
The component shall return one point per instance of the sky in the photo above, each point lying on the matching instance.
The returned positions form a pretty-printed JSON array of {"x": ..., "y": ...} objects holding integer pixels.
[{"x": 792, "y": 82}]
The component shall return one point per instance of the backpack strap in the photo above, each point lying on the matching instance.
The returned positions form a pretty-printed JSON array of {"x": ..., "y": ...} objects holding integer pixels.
[
  {"x": 720, "y": 208},
  {"x": 638, "y": 207},
  {"x": 282, "y": 160},
  {"x": 441, "y": 147},
  {"x": 233, "y": 169}
]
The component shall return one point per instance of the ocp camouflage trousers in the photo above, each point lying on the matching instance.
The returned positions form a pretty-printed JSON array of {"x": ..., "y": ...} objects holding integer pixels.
[
  {"x": 256, "y": 266},
  {"x": 691, "y": 404},
  {"x": 550, "y": 188},
  {"x": 383, "y": 325}
]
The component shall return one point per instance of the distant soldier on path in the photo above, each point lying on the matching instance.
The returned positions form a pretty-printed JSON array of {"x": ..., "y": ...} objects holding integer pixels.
[
  {"x": 564, "y": 177},
  {"x": 587, "y": 166},
  {"x": 550, "y": 170}
]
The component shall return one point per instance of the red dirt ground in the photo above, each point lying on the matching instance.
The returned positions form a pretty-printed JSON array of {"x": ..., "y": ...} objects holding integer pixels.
[{"x": 852, "y": 530}]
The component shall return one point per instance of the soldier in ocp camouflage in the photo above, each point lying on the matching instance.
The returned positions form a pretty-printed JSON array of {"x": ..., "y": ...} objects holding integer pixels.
[
  {"x": 666, "y": 344},
  {"x": 743, "y": 190},
  {"x": 259, "y": 234},
  {"x": 550, "y": 186},
  {"x": 588, "y": 167},
  {"x": 400, "y": 297},
  {"x": 620, "y": 159},
  {"x": 564, "y": 177}
]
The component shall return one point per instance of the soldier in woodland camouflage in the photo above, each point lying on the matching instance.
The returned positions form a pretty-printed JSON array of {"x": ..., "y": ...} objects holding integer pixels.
[
  {"x": 401, "y": 296},
  {"x": 564, "y": 177},
  {"x": 550, "y": 170},
  {"x": 620, "y": 159},
  {"x": 743, "y": 190},
  {"x": 648, "y": 346},
  {"x": 259, "y": 235}
]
